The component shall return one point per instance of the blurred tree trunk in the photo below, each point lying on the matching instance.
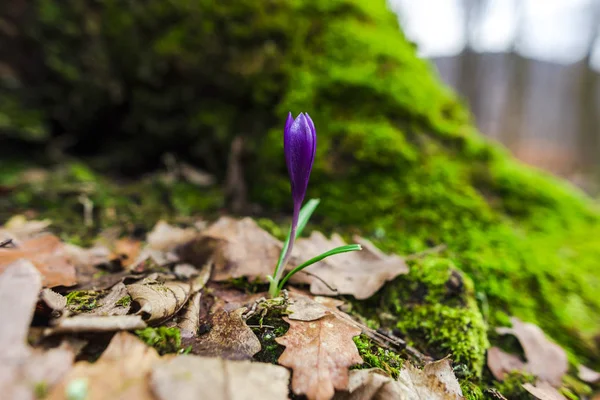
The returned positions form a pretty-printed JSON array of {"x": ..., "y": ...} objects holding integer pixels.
[{"x": 587, "y": 121}]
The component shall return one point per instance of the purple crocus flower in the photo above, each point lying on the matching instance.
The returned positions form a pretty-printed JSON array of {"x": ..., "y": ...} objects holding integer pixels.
[{"x": 299, "y": 145}]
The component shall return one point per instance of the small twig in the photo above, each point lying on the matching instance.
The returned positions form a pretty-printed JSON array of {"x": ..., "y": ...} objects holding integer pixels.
[
  {"x": 433, "y": 250},
  {"x": 319, "y": 279},
  {"x": 7, "y": 243},
  {"x": 235, "y": 186},
  {"x": 88, "y": 210},
  {"x": 260, "y": 326}
]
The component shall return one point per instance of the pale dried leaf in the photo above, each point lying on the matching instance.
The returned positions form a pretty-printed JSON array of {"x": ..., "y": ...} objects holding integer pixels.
[
  {"x": 544, "y": 391},
  {"x": 358, "y": 273},
  {"x": 190, "y": 320},
  {"x": 319, "y": 352},
  {"x": 545, "y": 359},
  {"x": 18, "y": 228},
  {"x": 588, "y": 375},
  {"x": 82, "y": 258},
  {"x": 52, "y": 300},
  {"x": 165, "y": 237},
  {"x": 121, "y": 372},
  {"x": 229, "y": 337},
  {"x": 193, "y": 377},
  {"x": 159, "y": 301},
  {"x": 501, "y": 363},
  {"x": 111, "y": 303},
  {"x": 93, "y": 323},
  {"x": 185, "y": 271},
  {"x": 241, "y": 249},
  {"x": 435, "y": 382},
  {"x": 22, "y": 368},
  {"x": 48, "y": 255},
  {"x": 196, "y": 176},
  {"x": 150, "y": 257}
]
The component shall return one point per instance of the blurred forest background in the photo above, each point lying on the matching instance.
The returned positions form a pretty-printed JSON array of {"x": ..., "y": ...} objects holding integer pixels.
[{"x": 529, "y": 70}]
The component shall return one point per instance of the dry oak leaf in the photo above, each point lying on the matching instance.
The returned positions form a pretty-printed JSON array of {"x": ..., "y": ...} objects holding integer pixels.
[
  {"x": 21, "y": 367},
  {"x": 239, "y": 248},
  {"x": 501, "y": 363},
  {"x": 159, "y": 301},
  {"x": 544, "y": 391},
  {"x": 111, "y": 303},
  {"x": 229, "y": 337},
  {"x": 545, "y": 359},
  {"x": 48, "y": 255},
  {"x": 358, "y": 273},
  {"x": 320, "y": 353},
  {"x": 435, "y": 382},
  {"x": 121, "y": 372},
  {"x": 192, "y": 378},
  {"x": 304, "y": 308}
]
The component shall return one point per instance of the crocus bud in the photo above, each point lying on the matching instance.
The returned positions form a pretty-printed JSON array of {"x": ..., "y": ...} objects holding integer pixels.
[{"x": 299, "y": 145}]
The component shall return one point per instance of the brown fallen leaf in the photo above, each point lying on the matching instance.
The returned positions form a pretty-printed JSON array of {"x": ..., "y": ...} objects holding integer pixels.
[
  {"x": 319, "y": 352},
  {"x": 545, "y": 359},
  {"x": 435, "y": 382},
  {"x": 229, "y": 337},
  {"x": 192, "y": 377},
  {"x": 588, "y": 375},
  {"x": 93, "y": 323},
  {"x": 165, "y": 237},
  {"x": 239, "y": 248},
  {"x": 544, "y": 391},
  {"x": 48, "y": 255},
  {"x": 52, "y": 301},
  {"x": 121, "y": 372},
  {"x": 116, "y": 302},
  {"x": 358, "y": 273},
  {"x": 158, "y": 300},
  {"x": 127, "y": 250},
  {"x": 22, "y": 368},
  {"x": 501, "y": 363}
]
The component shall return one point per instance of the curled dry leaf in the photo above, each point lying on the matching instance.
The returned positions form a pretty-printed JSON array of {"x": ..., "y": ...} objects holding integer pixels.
[
  {"x": 239, "y": 248},
  {"x": 229, "y": 337},
  {"x": 319, "y": 352},
  {"x": 93, "y": 323},
  {"x": 588, "y": 375},
  {"x": 545, "y": 359},
  {"x": 165, "y": 237},
  {"x": 190, "y": 319},
  {"x": 53, "y": 301},
  {"x": 21, "y": 367},
  {"x": 358, "y": 273},
  {"x": 192, "y": 377},
  {"x": 435, "y": 382},
  {"x": 48, "y": 255},
  {"x": 159, "y": 301},
  {"x": 121, "y": 372},
  {"x": 501, "y": 363},
  {"x": 544, "y": 391}
]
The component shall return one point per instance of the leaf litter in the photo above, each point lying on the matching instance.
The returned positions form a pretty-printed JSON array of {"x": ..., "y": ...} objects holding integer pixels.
[{"x": 181, "y": 279}]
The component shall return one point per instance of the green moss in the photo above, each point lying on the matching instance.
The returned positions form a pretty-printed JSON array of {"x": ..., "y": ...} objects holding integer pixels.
[
  {"x": 512, "y": 386},
  {"x": 41, "y": 390},
  {"x": 376, "y": 357},
  {"x": 433, "y": 308},
  {"x": 82, "y": 300},
  {"x": 124, "y": 301},
  {"x": 164, "y": 340},
  {"x": 471, "y": 391}
]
